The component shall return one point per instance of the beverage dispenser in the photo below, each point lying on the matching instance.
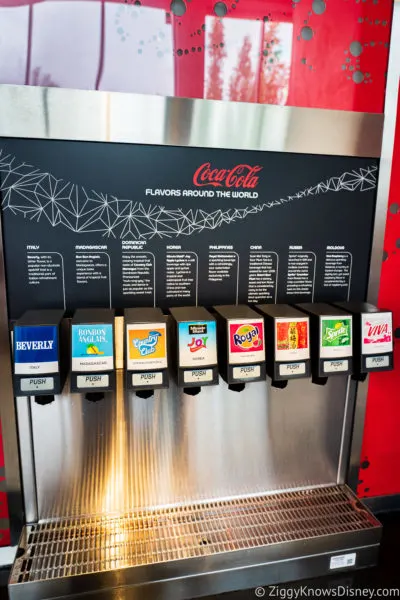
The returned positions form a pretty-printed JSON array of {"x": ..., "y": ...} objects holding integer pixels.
[
  {"x": 173, "y": 483},
  {"x": 241, "y": 345}
]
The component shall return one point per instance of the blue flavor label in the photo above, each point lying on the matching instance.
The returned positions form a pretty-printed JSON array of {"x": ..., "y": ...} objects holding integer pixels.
[
  {"x": 92, "y": 347},
  {"x": 197, "y": 343},
  {"x": 35, "y": 349}
]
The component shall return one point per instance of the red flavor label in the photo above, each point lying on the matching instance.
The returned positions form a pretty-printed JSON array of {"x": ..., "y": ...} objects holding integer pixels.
[{"x": 246, "y": 337}]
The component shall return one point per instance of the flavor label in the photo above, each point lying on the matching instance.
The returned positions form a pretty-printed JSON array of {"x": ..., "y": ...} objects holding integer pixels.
[
  {"x": 92, "y": 347},
  {"x": 252, "y": 372},
  {"x": 198, "y": 375},
  {"x": 377, "y": 333},
  {"x": 37, "y": 383},
  {"x": 146, "y": 346},
  {"x": 292, "y": 339},
  {"x": 335, "y": 366},
  {"x": 197, "y": 343},
  {"x": 92, "y": 381},
  {"x": 336, "y": 337},
  {"x": 377, "y": 362},
  {"x": 139, "y": 379},
  {"x": 35, "y": 349},
  {"x": 342, "y": 561},
  {"x": 292, "y": 369},
  {"x": 246, "y": 341}
]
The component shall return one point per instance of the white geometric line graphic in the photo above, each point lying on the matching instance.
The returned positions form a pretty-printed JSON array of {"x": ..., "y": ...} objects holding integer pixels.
[{"x": 36, "y": 195}]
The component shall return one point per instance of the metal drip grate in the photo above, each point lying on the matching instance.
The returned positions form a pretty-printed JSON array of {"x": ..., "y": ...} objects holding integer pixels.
[{"x": 91, "y": 545}]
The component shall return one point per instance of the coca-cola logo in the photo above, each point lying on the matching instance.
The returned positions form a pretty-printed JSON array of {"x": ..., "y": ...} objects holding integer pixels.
[{"x": 240, "y": 176}]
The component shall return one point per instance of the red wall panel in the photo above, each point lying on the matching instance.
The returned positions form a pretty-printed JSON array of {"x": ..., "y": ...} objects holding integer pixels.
[
  {"x": 380, "y": 473},
  {"x": 333, "y": 53}
]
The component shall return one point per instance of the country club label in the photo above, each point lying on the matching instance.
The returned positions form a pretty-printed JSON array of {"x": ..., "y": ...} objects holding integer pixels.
[
  {"x": 292, "y": 339},
  {"x": 336, "y": 337},
  {"x": 377, "y": 333},
  {"x": 146, "y": 346},
  {"x": 35, "y": 349},
  {"x": 197, "y": 343},
  {"x": 92, "y": 347},
  {"x": 246, "y": 341}
]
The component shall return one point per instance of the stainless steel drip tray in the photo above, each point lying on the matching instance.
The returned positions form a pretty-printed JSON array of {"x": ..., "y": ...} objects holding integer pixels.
[{"x": 193, "y": 550}]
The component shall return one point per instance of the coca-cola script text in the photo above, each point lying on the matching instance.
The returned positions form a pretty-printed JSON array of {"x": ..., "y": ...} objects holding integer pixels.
[{"x": 240, "y": 176}]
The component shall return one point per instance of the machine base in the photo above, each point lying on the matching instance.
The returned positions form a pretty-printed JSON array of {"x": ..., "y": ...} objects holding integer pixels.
[{"x": 184, "y": 552}]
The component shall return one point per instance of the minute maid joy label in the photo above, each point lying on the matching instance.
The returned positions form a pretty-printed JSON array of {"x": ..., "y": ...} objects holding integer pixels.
[
  {"x": 197, "y": 343},
  {"x": 35, "y": 349},
  {"x": 336, "y": 337},
  {"x": 146, "y": 346},
  {"x": 246, "y": 341},
  {"x": 92, "y": 347}
]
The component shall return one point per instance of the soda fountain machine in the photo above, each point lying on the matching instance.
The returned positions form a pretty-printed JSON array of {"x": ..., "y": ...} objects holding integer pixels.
[{"x": 162, "y": 249}]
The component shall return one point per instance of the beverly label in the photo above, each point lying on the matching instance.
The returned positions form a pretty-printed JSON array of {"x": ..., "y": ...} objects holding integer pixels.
[
  {"x": 92, "y": 347},
  {"x": 35, "y": 349},
  {"x": 292, "y": 339},
  {"x": 336, "y": 337},
  {"x": 246, "y": 341},
  {"x": 146, "y": 346},
  {"x": 197, "y": 343},
  {"x": 377, "y": 333}
]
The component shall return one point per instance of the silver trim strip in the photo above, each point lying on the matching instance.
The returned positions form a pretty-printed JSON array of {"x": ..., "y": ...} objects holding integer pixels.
[
  {"x": 28, "y": 471},
  {"x": 346, "y": 431},
  {"x": 391, "y": 100},
  {"x": 55, "y": 113},
  {"x": 8, "y": 412}
]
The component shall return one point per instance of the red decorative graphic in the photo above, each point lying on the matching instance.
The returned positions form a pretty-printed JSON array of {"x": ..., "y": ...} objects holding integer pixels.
[
  {"x": 242, "y": 87},
  {"x": 245, "y": 337},
  {"x": 274, "y": 74},
  {"x": 216, "y": 53},
  {"x": 241, "y": 176}
]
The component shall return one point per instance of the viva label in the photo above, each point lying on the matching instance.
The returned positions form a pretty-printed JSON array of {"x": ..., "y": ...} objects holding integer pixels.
[
  {"x": 377, "y": 333},
  {"x": 197, "y": 343},
  {"x": 146, "y": 346},
  {"x": 92, "y": 347},
  {"x": 336, "y": 337},
  {"x": 292, "y": 339}
]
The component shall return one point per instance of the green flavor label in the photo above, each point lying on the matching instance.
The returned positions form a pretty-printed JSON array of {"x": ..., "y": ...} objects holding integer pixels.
[{"x": 336, "y": 333}]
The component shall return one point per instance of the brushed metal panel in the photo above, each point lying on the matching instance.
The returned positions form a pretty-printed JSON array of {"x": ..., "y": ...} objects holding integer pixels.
[
  {"x": 55, "y": 113},
  {"x": 23, "y": 406},
  {"x": 125, "y": 453}
]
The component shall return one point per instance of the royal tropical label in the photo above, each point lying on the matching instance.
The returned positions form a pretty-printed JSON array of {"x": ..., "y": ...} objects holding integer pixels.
[
  {"x": 246, "y": 341},
  {"x": 336, "y": 337},
  {"x": 292, "y": 339},
  {"x": 377, "y": 333},
  {"x": 146, "y": 346},
  {"x": 92, "y": 347}
]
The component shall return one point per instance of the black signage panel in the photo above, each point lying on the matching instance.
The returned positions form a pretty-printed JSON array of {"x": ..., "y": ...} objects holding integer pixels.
[{"x": 118, "y": 225}]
